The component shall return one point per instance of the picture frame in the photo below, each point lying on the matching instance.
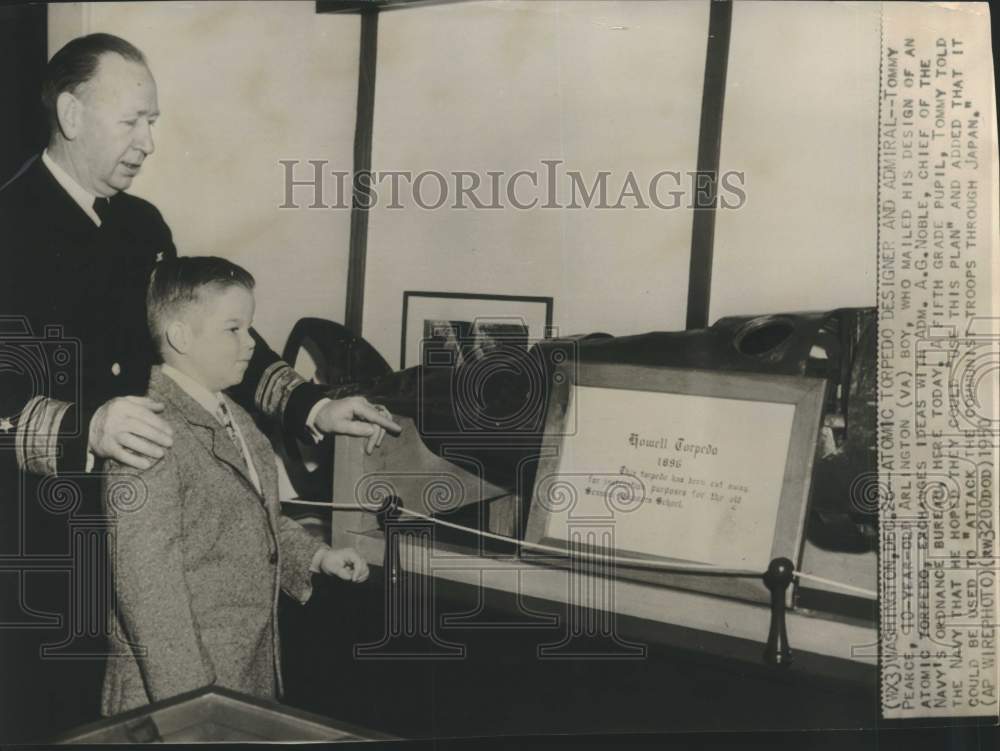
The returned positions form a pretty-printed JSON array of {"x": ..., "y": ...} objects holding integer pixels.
[
  {"x": 460, "y": 322},
  {"x": 588, "y": 446}
]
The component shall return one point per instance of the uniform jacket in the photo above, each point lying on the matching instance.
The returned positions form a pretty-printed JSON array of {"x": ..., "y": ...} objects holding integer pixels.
[{"x": 199, "y": 557}]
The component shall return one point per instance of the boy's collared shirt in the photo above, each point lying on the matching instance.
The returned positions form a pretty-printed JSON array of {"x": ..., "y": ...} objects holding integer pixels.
[{"x": 210, "y": 403}]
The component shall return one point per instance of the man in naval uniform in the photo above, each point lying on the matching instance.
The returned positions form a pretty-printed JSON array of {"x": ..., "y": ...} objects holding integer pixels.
[{"x": 76, "y": 253}]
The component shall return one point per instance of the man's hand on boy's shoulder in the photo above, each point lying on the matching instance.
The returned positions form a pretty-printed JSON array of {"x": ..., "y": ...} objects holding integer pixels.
[
  {"x": 356, "y": 416},
  {"x": 129, "y": 430},
  {"x": 344, "y": 563}
]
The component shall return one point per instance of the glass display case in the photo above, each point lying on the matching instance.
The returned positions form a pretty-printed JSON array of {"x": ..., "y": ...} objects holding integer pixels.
[{"x": 214, "y": 714}]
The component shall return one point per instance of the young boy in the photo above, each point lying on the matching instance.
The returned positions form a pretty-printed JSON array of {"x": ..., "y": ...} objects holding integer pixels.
[{"x": 201, "y": 548}]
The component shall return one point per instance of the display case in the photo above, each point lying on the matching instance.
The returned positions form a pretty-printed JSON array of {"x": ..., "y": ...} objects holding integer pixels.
[{"x": 215, "y": 714}]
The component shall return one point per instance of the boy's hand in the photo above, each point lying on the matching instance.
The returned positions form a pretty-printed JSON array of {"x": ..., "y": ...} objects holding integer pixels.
[
  {"x": 355, "y": 415},
  {"x": 345, "y": 563}
]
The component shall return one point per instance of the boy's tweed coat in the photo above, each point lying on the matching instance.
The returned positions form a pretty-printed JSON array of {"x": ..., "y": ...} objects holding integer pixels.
[{"x": 199, "y": 557}]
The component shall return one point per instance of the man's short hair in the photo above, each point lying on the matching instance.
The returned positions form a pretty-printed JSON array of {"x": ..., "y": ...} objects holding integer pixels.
[
  {"x": 177, "y": 283},
  {"x": 76, "y": 63}
]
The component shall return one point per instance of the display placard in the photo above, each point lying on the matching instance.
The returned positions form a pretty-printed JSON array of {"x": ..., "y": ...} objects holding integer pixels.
[{"x": 705, "y": 469}]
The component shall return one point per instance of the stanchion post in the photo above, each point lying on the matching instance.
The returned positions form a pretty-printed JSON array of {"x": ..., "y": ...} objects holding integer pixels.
[
  {"x": 386, "y": 517},
  {"x": 410, "y": 612},
  {"x": 778, "y": 576}
]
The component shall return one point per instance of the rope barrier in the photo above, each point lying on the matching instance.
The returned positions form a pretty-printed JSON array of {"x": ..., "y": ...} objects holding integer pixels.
[
  {"x": 598, "y": 557},
  {"x": 832, "y": 583},
  {"x": 676, "y": 567}
]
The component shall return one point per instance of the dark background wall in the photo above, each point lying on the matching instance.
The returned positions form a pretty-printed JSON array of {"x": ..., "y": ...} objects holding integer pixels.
[{"x": 23, "y": 53}]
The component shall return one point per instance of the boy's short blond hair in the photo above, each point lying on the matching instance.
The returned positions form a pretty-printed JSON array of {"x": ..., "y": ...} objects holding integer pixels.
[{"x": 177, "y": 283}]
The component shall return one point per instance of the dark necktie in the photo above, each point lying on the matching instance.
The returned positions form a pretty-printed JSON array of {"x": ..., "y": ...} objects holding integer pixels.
[{"x": 102, "y": 207}]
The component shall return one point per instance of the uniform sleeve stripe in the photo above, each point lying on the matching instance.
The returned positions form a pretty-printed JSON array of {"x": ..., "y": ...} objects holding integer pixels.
[
  {"x": 275, "y": 388},
  {"x": 37, "y": 435}
]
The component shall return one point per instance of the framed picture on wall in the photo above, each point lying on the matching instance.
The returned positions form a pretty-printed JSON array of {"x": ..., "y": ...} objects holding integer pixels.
[{"x": 461, "y": 325}]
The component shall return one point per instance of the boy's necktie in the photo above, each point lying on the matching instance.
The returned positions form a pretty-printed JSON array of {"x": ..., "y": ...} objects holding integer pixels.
[{"x": 227, "y": 420}]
